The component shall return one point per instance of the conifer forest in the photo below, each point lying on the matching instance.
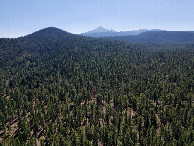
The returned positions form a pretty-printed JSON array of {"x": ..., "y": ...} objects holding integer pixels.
[{"x": 58, "y": 88}]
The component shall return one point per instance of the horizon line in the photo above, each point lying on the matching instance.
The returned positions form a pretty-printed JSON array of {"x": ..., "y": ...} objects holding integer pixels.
[{"x": 23, "y": 35}]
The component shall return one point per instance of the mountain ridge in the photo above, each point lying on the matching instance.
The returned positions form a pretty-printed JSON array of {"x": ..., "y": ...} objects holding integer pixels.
[
  {"x": 103, "y": 32},
  {"x": 159, "y": 36},
  {"x": 142, "y": 35}
]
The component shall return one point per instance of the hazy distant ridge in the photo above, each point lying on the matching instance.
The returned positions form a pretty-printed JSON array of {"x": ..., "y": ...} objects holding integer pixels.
[{"x": 103, "y": 32}]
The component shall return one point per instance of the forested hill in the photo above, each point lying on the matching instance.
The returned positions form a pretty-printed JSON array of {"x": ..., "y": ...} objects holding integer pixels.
[
  {"x": 159, "y": 37},
  {"x": 51, "y": 42},
  {"x": 54, "y": 38},
  {"x": 57, "y": 88}
]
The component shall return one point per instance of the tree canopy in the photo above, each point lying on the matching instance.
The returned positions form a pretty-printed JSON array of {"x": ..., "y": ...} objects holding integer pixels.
[{"x": 57, "y": 88}]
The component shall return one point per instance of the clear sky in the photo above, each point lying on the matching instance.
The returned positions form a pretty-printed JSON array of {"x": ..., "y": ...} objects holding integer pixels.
[{"x": 21, "y": 17}]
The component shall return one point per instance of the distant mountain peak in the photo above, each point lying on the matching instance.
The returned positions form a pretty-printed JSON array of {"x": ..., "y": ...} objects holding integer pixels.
[
  {"x": 103, "y": 32},
  {"x": 100, "y": 29}
]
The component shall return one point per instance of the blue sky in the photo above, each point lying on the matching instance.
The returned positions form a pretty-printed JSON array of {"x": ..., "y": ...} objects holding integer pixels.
[{"x": 21, "y": 17}]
